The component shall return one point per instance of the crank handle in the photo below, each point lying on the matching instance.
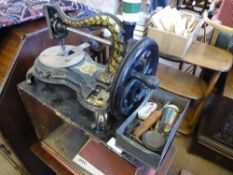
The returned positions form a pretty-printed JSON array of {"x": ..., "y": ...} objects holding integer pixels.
[{"x": 150, "y": 81}]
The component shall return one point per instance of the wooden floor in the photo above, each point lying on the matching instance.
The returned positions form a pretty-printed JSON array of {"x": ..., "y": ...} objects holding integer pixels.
[
  {"x": 6, "y": 168},
  {"x": 9, "y": 164},
  {"x": 191, "y": 162}
]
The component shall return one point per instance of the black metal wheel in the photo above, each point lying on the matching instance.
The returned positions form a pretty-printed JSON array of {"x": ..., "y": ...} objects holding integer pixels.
[{"x": 134, "y": 78}]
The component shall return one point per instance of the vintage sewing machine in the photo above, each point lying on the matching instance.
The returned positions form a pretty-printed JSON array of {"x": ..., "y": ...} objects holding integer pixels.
[
  {"x": 70, "y": 98},
  {"x": 115, "y": 89}
]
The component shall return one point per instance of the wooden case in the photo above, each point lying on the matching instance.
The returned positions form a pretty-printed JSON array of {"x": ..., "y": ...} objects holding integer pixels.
[{"x": 171, "y": 44}]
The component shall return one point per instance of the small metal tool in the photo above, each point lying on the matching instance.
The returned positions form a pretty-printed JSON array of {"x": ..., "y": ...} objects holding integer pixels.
[
  {"x": 88, "y": 35},
  {"x": 62, "y": 43}
]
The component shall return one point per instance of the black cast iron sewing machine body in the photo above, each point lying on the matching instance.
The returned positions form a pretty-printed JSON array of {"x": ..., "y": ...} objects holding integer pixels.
[{"x": 117, "y": 88}]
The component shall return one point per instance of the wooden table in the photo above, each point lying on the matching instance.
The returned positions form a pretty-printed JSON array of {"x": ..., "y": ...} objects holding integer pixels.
[
  {"x": 54, "y": 110},
  {"x": 178, "y": 82},
  {"x": 58, "y": 149}
]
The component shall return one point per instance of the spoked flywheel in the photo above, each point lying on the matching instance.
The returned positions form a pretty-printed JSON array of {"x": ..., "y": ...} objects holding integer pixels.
[{"x": 134, "y": 78}]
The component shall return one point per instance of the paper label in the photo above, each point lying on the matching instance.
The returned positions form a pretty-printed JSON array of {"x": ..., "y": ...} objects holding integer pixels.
[{"x": 80, "y": 161}]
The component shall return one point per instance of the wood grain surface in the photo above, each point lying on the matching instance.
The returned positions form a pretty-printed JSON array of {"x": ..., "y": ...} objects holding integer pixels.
[
  {"x": 210, "y": 57},
  {"x": 181, "y": 83},
  {"x": 9, "y": 45}
]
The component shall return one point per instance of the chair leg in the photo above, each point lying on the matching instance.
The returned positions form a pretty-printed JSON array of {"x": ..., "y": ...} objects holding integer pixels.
[
  {"x": 188, "y": 125},
  {"x": 200, "y": 107},
  {"x": 194, "y": 69},
  {"x": 181, "y": 64}
]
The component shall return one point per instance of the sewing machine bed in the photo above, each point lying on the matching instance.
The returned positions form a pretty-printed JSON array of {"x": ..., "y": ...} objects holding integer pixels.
[
  {"x": 51, "y": 106},
  {"x": 63, "y": 103}
]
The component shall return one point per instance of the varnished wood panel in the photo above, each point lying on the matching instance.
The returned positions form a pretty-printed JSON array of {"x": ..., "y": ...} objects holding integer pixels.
[
  {"x": 9, "y": 45},
  {"x": 45, "y": 121},
  {"x": 31, "y": 38}
]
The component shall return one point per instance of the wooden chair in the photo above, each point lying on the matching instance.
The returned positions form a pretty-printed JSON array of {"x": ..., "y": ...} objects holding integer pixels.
[
  {"x": 195, "y": 88},
  {"x": 228, "y": 88}
]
